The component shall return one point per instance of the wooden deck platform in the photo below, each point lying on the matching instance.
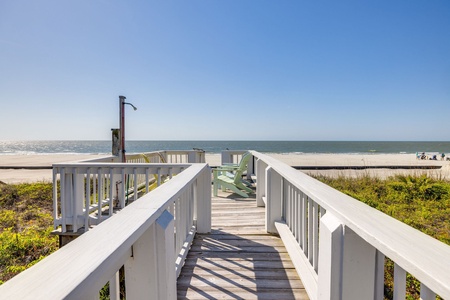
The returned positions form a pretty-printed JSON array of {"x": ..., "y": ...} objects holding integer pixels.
[{"x": 238, "y": 260}]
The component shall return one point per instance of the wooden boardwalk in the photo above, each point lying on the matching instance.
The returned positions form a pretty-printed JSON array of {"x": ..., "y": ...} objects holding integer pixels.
[{"x": 238, "y": 260}]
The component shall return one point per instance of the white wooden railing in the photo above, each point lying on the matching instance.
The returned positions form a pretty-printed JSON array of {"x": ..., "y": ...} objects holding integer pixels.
[
  {"x": 149, "y": 238},
  {"x": 91, "y": 191},
  {"x": 166, "y": 156},
  {"x": 339, "y": 245}
]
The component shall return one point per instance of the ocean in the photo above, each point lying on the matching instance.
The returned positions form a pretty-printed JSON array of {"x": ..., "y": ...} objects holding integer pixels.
[{"x": 298, "y": 147}]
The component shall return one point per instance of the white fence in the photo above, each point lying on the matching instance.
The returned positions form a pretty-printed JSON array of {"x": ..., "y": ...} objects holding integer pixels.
[
  {"x": 338, "y": 244},
  {"x": 168, "y": 156},
  {"x": 89, "y": 192},
  {"x": 149, "y": 238}
]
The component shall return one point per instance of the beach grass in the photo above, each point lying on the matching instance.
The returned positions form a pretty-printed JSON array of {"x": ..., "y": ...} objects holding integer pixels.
[
  {"x": 423, "y": 202},
  {"x": 25, "y": 226}
]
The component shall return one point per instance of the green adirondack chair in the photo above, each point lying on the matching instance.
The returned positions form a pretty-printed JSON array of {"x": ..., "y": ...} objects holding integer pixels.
[{"x": 230, "y": 177}]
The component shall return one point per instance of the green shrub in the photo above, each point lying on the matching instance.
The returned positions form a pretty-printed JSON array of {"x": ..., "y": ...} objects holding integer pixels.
[
  {"x": 8, "y": 195},
  {"x": 25, "y": 226},
  {"x": 8, "y": 219}
]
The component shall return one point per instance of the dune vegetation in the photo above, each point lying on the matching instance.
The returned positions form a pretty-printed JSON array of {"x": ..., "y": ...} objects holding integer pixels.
[
  {"x": 25, "y": 226},
  {"x": 419, "y": 201}
]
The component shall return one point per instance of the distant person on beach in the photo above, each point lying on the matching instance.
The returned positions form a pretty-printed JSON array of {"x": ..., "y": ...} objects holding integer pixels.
[
  {"x": 423, "y": 156},
  {"x": 442, "y": 156}
]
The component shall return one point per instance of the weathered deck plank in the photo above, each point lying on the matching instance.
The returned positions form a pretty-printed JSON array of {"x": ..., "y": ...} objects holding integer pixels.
[{"x": 238, "y": 260}]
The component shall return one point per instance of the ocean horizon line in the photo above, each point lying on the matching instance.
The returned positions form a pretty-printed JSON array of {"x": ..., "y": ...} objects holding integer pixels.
[
  {"x": 229, "y": 140},
  {"x": 99, "y": 147}
]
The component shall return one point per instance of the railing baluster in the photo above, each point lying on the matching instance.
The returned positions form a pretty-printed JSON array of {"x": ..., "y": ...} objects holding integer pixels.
[
  {"x": 172, "y": 208},
  {"x": 181, "y": 223},
  {"x": 114, "y": 287},
  {"x": 291, "y": 208},
  {"x": 191, "y": 204},
  {"x": 298, "y": 200},
  {"x": 87, "y": 200},
  {"x": 146, "y": 180},
  {"x": 426, "y": 293},
  {"x": 158, "y": 183},
  {"x": 123, "y": 187},
  {"x": 94, "y": 188},
  {"x": 182, "y": 216},
  {"x": 295, "y": 214},
  {"x": 379, "y": 276},
  {"x": 399, "y": 283},
  {"x": 107, "y": 185},
  {"x": 100, "y": 193},
  {"x": 185, "y": 217},
  {"x": 55, "y": 198},
  {"x": 315, "y": 229},
  {"x": 285, "y": 204},
  {"x": 63, "y": 199},
  {"x": 304, "y": 225},
  {"x": 111, "y": 189},
  {"x": 177, "y": 222},
  {"x": 135, "y": 194},
  {"x": 73, "y": 198},
  {"x": 310, "y": 230}
]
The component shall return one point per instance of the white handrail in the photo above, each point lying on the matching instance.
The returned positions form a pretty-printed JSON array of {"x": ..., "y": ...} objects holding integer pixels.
[
  {"x": 338, "y": 243},
  {"x": 140, "y": 237},
  {"x": 89, "y": 193},
  {"x": 167, "y": 156}
]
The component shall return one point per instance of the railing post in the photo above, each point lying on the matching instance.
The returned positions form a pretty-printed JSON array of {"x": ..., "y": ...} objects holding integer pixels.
[
  {"x": 192, "y": 157},
  {"x": 359, "y": 267},
  {"x": 196, "y": 156},
  {"x": 150, "y": 272},
  {"x": 330, "y": 258},
  {"x": 202, "y": 204},
  {"x": 226, "y": 158},
  {"x": 260, "y": 182},
  {"x": 347, "y": 263},
  {"x": 274, "y": 194}
]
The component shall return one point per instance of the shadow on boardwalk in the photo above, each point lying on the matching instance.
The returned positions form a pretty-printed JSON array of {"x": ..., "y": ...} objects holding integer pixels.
[{"x": 238, "y": 259}]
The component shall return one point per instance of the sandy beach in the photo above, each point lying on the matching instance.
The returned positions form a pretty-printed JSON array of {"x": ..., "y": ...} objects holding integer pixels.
[{"x": 296, "y": 160}]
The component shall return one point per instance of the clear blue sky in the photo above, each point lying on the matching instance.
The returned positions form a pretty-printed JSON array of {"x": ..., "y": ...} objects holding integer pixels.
[{"x": 225, "y": 70}]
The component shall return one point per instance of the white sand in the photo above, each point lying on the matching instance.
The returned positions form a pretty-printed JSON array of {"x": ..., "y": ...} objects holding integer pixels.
[
  {"x": 24, "y": 175},
  {"x": 15, "y": 176},
  {"x": 368, "y": 160}
]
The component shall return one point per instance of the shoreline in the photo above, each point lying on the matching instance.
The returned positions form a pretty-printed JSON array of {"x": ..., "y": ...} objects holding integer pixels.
[{"x": 33, "y": 168}]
